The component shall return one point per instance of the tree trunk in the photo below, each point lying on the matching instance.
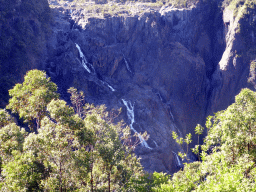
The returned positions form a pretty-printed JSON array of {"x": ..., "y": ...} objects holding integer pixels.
[
  {"x": 0, "y": 165},
  {"x": 109, "y": 181},
  {"x": 233, "y": 154},
  {"x": 60, "y": 179},
  {"x": 91, "y": 178},
  {"x": 91, "y": 167}
]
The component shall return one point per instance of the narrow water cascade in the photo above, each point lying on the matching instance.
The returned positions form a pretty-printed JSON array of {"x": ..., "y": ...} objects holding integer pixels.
[
  {"x": 88, "y": 67},
  {"x": 177, "y": 158},
  {"x": 130, "y": 114},
  {"x": 109, "y": 86},
  {"x": 171, "y": 115},
  {"x": 127, "y": 65},
  {"x": 155, "y": 143},
  {"x": 84, "y": 61}
]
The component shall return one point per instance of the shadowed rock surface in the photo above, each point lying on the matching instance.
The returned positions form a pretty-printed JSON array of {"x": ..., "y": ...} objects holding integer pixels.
[
  {"x": 155, "y": 60},
  {"x": 173, "y": 66}
]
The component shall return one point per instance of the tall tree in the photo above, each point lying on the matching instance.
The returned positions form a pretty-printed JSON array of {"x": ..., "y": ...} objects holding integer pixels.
[
  {"x": 11, "y": 139},
  {"x": 30, "y": 98},
  {"x": 84, "y": 151},
  {"x": 77, "y": 100},
  {"x": 56, "y": 145}
]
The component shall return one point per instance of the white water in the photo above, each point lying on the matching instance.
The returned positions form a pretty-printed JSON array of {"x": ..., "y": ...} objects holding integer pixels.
[
  {"x": 127, "y": 65},
  {"x": 130, "y": 114},
  {"x": 112, "y": 89},
  {"x": 155, "y": 143},
  {"x": 178, "y": 160},
  {"x": 109, "y": 86},
  {"x": 171, "y": 115},
  {"x": 85, "y": 65},
  {"x": 84, "y": 61}
]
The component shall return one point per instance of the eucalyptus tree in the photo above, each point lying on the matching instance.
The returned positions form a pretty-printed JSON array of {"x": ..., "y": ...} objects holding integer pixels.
[
  {"x": 112, "y": 159},
  {"x": 234, "y": 129},
  {"x": 57, "y": 146},
  {"x": 30, "y": 98},
  {"x": 77, "y": 149},
  {"x": 77, "y": 100},
  {"x": 11, "y": 141},
  {"x": 11, "y": 136}
]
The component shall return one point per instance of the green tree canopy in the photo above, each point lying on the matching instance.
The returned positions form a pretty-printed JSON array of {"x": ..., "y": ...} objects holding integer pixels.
[
  {"x": 229, "y": 153},
  {"x": 30, "y": 98},
  {"x": 73, "y": 149}
]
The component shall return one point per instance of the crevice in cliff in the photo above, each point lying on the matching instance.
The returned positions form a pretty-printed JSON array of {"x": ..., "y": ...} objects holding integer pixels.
[{"x": 215, "y": 30}]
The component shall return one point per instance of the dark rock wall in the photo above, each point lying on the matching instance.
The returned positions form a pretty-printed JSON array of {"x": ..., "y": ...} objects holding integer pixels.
[
  {"x": 174, "y": 66},
  {"x": 24, "y": 27},
  {"x": 233, "y": 71},
  {"x": 155, "y": 60}
]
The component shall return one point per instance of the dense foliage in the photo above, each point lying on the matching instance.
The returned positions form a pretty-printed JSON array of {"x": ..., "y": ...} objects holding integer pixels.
[
  {"x": 67, "y": 151},
  {"x": 79, "y": 148},
  {"x": 228, "y": 153}
]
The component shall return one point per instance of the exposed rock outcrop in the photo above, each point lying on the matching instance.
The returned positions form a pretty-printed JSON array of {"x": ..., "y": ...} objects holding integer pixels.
[
  {"x": 167, "y": 68},
  {"x": 24, "y": 28},
  {"x": 235, "y": 67},
  {"x": 155, "y": 60}
]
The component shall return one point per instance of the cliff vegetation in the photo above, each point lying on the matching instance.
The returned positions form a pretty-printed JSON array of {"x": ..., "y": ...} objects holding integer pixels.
[{"x": 79, "y": 148}]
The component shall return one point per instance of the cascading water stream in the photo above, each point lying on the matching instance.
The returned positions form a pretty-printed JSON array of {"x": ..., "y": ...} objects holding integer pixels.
[
  {"x": 127, "y": 65},
  {"x": 155, "y": 143},
  {"x": 109, "y": 86},
  {"x": 84, "y": 61},
  {"x": 88, "y": 67},
  {"x": 172, "y": 115},
  {"x": 130, "y": 114},
  {"x": 177, "y": 158}
]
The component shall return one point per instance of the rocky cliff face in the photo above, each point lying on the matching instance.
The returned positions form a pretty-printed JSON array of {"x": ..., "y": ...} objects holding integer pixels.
[
  {"x": 24, "y": 28},
  {"x": 167, "y": 68},
  {"x": 235, "y": 69},
  {"x": 157, "y": 65}
]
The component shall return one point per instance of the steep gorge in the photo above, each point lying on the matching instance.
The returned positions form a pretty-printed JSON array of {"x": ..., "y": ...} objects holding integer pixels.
[
  {"x": 161, "y": 62},
  {"x": 167, "y": 68}
]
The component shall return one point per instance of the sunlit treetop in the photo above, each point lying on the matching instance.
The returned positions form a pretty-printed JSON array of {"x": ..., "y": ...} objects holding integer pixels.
[{"x": 30, "y": 98}]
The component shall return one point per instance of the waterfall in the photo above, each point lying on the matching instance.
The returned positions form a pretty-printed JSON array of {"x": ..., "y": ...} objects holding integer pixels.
[
  {"x": 177, "y": 158},
  {"x": 171, "y": 115},
  {"x": 109, "y": 86},
  {"x": 112, "y": 89},
  {"x": 84, "y": 61},
  {"x": 155, "y": 143},
  {"x": 127, "y": 65},
  {"x": 130, "y": 114},
  {"x": 90, "y": 68}
]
